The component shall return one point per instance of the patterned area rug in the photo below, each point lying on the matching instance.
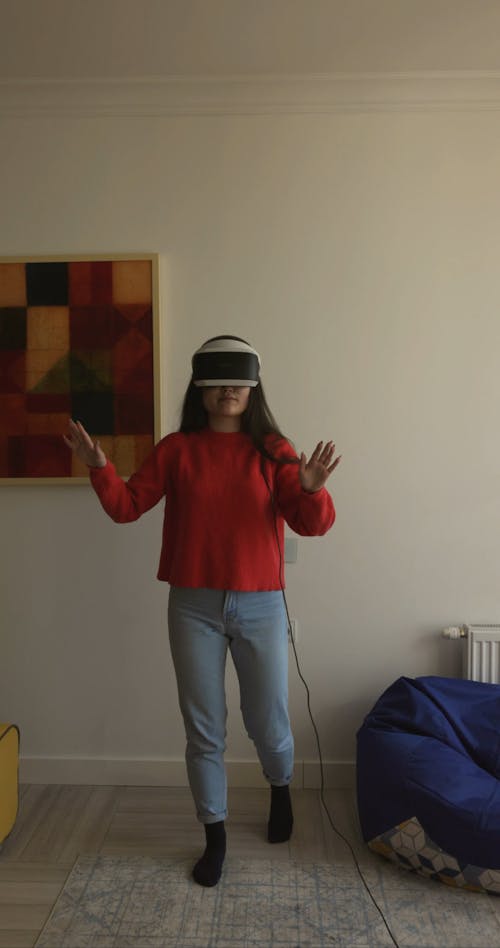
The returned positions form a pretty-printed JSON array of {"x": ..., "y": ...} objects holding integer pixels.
[{"x": 145, "y": 902}]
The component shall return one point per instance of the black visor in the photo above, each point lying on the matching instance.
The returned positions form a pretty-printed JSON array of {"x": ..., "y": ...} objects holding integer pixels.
[{"x": 225, "y": 368}]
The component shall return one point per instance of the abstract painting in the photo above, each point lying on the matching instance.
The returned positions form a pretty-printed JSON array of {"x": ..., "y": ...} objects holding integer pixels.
[{"x": 78, "y": 339}]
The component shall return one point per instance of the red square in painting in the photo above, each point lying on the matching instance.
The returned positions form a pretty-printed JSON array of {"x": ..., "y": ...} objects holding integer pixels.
[
  {"x": 12, "y": 414},
  {"x": 91, "y": 327},
  {"x": 40, "y": 455},
  {"x": 4, "y": 456},
  {"x": 46, "y": 456},
  {"x": 91, "y": 283},
  {"x": 48, "y": 404},
  {"x": 133, "y": 414},
  {"x": 132, "y": 364},
  {"x": 13, "y": 371}
]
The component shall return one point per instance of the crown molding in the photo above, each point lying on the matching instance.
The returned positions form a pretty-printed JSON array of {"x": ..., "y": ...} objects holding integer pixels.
[{"x": 249, "y": 95}]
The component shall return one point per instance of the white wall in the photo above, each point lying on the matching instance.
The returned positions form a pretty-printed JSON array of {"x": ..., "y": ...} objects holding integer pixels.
[{"x": 359, "y": 253}]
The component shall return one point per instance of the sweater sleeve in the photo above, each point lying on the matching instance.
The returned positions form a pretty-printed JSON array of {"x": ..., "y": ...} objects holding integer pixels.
[
  {"x": 308, "y": 514},
  {"x": 126, "y": 501}
]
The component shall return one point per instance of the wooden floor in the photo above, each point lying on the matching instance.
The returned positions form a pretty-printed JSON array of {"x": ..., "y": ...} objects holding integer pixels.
[{"x": 57, "y": 823}]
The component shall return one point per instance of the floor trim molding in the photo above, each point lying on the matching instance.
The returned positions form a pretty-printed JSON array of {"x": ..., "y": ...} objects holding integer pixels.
[
  {"x": 171, "y": 773},
  {"x": 249, "y": 94}
]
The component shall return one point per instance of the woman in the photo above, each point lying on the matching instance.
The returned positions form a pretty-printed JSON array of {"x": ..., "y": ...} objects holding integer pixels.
[{"x": 230, "y": 479}]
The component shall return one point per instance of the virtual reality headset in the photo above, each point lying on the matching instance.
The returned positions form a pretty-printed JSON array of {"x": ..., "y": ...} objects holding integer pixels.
[{"x": 226, "y": 360}]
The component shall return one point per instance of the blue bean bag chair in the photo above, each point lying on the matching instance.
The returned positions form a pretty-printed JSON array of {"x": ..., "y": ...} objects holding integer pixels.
[{"x": 428, "y": 779}]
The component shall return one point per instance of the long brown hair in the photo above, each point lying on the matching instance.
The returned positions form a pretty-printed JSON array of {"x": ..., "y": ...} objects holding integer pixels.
[{"x": 257, "y": 420}]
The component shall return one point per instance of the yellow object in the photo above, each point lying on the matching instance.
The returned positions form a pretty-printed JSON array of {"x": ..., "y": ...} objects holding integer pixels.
[{"x": 9, "y": 778}]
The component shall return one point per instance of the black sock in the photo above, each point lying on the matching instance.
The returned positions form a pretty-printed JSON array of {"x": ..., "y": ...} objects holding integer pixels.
[
  {"x": 208, "y": 869},
  {"x": 279, "y": 828}
]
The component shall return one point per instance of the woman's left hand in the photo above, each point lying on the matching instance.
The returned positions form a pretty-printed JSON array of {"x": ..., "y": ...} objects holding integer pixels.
[{"x": 315, "y": 471}]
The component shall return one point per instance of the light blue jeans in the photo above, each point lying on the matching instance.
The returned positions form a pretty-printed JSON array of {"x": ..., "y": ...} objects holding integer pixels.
[{"x": 203, "y": 624}]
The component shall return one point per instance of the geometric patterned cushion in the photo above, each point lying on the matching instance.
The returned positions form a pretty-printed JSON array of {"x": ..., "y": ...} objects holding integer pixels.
[{"x": 410, "y": 847}]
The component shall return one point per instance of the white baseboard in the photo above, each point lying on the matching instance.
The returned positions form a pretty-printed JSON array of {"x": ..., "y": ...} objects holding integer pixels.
[
  {"x": 171, "y": 773},
  {"x": 337, "y": 774}
]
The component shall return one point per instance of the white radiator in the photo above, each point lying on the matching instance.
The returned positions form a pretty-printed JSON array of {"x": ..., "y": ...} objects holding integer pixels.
[{"x": 481, "y": 651}]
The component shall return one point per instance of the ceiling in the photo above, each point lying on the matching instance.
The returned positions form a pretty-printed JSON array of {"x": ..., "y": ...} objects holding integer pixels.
[{"x": 82, "y": 39}]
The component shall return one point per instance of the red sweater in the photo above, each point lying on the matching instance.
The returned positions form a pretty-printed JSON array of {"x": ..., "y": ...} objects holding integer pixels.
[{"x": 218, "y": 529}]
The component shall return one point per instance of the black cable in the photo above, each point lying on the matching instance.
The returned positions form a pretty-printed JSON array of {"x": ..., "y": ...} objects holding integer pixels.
[{"x": 322, "y": 784}]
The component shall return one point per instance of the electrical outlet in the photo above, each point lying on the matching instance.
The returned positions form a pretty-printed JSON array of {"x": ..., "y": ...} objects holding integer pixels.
[{"x": 293, "y": 630}]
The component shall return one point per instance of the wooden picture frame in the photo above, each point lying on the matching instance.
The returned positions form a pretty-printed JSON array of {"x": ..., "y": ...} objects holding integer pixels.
[{"x": 79, "y": 338}]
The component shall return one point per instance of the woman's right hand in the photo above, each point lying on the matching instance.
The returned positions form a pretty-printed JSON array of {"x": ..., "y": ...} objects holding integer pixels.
[{"x": 80, "y": 442}]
